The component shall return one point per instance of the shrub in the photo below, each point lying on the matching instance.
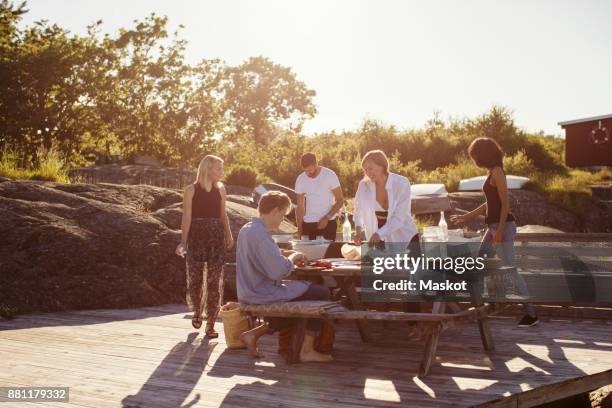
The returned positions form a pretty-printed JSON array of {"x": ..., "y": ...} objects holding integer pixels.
[
  {"x": 7, "y": 312},
  {"x": 546, "y": 153},
  {"x": 571, "y": 190},
  {"x": 9, "y": 167},
  {"x": 519, "y": 164},
  {"x": 50, "y": 167},
  {"x": 242, "y": 175},
  {"x": 452, "y": 174}
]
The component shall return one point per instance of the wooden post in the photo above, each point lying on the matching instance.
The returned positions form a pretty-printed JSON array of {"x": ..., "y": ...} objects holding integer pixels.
[{"x": 431, "y": 346}]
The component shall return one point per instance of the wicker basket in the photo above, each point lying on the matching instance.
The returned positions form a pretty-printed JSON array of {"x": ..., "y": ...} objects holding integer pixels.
[{"x": 234, "y": 324}]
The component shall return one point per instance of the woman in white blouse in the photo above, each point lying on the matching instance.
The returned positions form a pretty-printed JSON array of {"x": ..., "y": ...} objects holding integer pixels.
[
  {"x": 382, "y": 204},
  {"x": 382, "y": 208}
]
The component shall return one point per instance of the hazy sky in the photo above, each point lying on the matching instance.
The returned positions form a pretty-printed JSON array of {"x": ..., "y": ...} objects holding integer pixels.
[{"x": 398, "y": 61}]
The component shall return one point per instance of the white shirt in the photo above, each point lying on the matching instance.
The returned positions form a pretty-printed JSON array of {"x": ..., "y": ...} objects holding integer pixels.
[
  {"x": 318, "y": 191},
  {"x": 399, "y": 226}
]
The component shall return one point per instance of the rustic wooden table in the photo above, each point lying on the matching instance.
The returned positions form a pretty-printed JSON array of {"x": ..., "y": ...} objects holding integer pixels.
[{"x": 345, "y": 273}]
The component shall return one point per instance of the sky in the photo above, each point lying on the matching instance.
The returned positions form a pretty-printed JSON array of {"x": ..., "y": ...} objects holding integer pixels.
[{"x": 397, "y": 61}]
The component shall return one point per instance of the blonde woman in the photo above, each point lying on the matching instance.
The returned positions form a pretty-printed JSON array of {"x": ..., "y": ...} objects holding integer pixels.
[
  {"x": 205, "y": 236},
  {"x": 382, "y": 209},
  {"x": 382, "y": 203}
]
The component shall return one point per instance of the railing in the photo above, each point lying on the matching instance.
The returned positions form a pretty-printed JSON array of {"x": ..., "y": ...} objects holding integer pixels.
[{"x": 564, "y": 237}]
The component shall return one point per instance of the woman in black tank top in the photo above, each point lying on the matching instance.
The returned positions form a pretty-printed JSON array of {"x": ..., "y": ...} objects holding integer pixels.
[
  {"x": 501, "y": 228},
  {"x": 493, "y": 200},
  {"x": 205, "y": 236}
]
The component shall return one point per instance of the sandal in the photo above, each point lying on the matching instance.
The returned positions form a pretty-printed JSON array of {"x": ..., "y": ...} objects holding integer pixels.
[
  {"x": 196, "y": 322},
  {"x": 210, "y": 331}
]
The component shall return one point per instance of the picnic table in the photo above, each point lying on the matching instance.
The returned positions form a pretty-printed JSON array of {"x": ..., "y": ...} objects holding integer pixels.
[{"x": 347, "y": 274}]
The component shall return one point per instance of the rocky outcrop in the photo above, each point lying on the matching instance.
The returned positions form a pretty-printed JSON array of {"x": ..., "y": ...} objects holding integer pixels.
[
  {"x": 537, "y": 229},
  {"x": 132, "y": 174},
  {"x": 529, "y": 207},
  {"x": 79, "y": 246}
]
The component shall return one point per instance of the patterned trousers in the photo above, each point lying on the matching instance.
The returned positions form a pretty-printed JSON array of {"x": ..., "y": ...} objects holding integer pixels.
[{"x": 204, "y": 261}]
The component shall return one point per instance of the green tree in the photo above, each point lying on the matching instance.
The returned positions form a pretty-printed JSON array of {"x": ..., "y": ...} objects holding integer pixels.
[
  {"x": 192, "y": 113},
  {"x": 263, "y": 99},
  {"x": 49, "y": 94},
  {"x": 131, "y": 104}
]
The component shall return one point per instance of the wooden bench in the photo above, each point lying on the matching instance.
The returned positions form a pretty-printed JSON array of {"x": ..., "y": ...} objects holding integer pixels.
[{"x": 433, "y": 322}]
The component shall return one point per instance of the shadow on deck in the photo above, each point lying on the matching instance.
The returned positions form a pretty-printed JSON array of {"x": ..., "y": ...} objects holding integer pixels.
[{"x": 158, "y": 360}]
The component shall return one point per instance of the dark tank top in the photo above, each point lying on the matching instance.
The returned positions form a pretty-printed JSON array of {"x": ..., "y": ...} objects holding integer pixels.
[
  {"x": 493, "y": 203},
  {"x": 381, "y": 217},
  {"x": 206, "y": 204}
]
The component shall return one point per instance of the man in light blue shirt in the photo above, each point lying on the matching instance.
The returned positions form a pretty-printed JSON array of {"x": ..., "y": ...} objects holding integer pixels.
[{"x": 260, "y": 269}]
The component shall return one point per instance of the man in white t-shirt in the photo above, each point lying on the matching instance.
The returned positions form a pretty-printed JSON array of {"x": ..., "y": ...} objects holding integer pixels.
[{"x": 319, "y": 198}]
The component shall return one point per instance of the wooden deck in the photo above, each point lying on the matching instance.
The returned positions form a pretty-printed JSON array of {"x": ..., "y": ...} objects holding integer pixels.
[{"x": 151, "y": 357}]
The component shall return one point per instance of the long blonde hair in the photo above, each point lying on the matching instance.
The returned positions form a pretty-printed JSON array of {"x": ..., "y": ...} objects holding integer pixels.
[{"x": 204, "y": 166}]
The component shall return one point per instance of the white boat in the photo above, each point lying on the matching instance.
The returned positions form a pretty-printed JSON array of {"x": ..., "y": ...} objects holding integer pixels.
[
  {"x": 427, "y": 189},
  {"x": 476, "y": 183}
]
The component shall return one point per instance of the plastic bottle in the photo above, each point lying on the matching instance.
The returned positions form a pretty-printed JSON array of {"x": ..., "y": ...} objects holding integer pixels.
[
  {"x": 346, "y": 228},
  {"x": 443, "y": 228}
]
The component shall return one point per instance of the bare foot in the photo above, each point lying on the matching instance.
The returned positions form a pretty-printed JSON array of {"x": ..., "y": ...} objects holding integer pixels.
[
  {"x": 250, "y": 342},
  {"x": 314, "y": 356}
]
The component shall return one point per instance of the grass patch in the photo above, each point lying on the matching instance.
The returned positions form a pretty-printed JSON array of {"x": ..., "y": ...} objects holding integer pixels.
[
  {"x": 570, "y": 190},
  {"x": 50, "y": 167},
  {"x": 7, "y": 312}
]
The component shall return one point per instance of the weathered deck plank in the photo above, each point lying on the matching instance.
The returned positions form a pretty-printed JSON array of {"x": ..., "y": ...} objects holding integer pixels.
[{"x": 151, "y": 357}]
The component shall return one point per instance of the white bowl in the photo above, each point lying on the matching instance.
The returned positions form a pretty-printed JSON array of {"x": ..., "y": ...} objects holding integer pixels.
[
  {"x": 311, "y": 249},
  {"x": 281, "y": 238}
]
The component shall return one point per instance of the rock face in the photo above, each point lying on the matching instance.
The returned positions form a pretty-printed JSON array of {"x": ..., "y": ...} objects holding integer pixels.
[
  {"x": 80, "y": 246},
  {"x": 528, "y": 207},
  {"x": 133, "y": 174},
  {"x": 537, "y": 229}
]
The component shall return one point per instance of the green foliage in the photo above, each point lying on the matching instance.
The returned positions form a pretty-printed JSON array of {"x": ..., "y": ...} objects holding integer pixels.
[
  {"x": 451, "y": 174},
  {"x": 9, "y": 165},
  {"x": 263, "y": 99},
  {"x": 71, "y": 100},
  {"x": 50, "y": 167},
  {"x": 519, "y": 164},
  {"x": 89, "y": 95},
  {"x": 243, "y": 175},
  {"x": 569, "y": 189},
  {"x": 7, "y": 312}
]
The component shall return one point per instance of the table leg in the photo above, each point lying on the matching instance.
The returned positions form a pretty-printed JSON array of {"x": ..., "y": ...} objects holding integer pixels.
[
  {"x": 348, "y": 287},
  {"x": 438, "y": 307},
  {"x": 485, "y": 334}
]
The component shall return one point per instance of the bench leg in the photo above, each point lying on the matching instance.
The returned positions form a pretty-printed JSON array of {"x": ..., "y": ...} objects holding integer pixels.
[
  {"x": 431, "y": 346},
  {"x": 485, "y": 334},
  {"x": 299, "y": 331}
]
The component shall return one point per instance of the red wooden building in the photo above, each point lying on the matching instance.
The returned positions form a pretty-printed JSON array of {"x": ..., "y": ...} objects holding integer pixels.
[{"x": 588, "y": 142}]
